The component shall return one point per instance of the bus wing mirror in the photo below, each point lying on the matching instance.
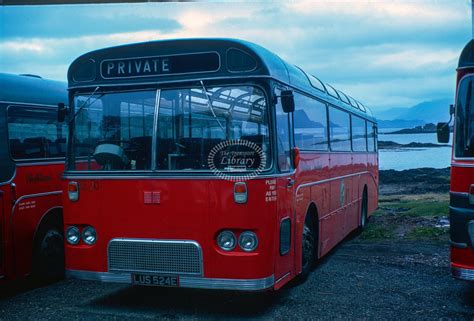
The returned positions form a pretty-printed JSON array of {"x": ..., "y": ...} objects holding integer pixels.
[
  {"x": 442, "y": 130},
  {"x": 451, "y": 109},
  {"x": 287, "y": 101},
  {"x": 62, "y": 111}
]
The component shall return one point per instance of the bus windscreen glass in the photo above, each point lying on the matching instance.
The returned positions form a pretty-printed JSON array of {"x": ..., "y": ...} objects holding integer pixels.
[
  {"x": 464, "y": 141},
  {"x": 114, "y": 131},
  {"x": 189, "y": 129}
]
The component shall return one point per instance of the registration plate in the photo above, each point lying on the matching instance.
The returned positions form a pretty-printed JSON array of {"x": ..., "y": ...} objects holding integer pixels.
[{"x": 155, "y": 280}]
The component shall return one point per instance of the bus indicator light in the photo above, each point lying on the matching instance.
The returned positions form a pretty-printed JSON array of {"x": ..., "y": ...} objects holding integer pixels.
[
  {"x": 296, "y": 157},
  {"x": 240, "y": 192},
  {"x": 73, "y": 191}
]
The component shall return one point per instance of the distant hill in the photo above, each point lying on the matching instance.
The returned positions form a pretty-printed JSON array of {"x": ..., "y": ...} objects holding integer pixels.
[
  {"x": 399, "y": 123},
  {"x": 426, "y": 112},
  {"x": 390, "y": 114}
]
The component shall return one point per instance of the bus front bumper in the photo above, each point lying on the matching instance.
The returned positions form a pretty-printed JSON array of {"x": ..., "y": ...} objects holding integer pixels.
[
  {"x": 462, "y": 274},
  {"x": 184, "y": 281}
]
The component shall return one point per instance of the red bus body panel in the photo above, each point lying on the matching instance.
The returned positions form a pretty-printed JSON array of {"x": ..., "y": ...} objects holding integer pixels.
[
  {"x": 198, "y": 209},
  {"x": 37, "y": 192},
  {"x": 31, "y": 166},
  {"x": 461, "y": 210}
]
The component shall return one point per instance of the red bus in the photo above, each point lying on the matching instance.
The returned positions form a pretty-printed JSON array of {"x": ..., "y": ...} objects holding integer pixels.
[
  {"x": 461, "y": 209},
  {"x": 210, "y": 163},
  {"x": 32, "y": 149}
]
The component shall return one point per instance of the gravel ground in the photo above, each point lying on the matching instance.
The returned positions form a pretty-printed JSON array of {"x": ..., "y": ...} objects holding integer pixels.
[{"x": 360, "y": 279}]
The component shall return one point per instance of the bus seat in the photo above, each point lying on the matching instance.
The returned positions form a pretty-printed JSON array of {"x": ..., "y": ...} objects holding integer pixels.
[
  {"x": 60, "y": 144},
  {"x": 16, "y": 148},
  {"x": 140, "y": 150},
  {"x": 34, "y": 147}
]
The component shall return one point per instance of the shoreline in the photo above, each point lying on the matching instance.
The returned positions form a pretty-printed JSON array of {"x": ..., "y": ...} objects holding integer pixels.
[
  {"x": 414, "y": 181},
  {"x": 389, "y": 145}
]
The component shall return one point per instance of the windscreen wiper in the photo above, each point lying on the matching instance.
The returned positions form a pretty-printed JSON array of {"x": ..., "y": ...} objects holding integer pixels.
[
  {"x": 209, "y": 103},
  {"x": 85, "y": 103}
]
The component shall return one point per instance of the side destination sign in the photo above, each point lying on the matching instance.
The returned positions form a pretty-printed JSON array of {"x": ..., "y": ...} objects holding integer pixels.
[{"x": 160, "y": 65}]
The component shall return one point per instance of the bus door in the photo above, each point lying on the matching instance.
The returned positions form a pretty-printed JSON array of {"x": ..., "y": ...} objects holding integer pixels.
[{"x": 285, "y": 193}]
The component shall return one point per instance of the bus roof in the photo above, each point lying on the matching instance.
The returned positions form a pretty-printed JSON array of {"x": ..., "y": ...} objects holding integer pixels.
[
  {"x": 467, "y": 56},
  {"x": 31, "y": 89},
  {"x": 167, "y": 61}
]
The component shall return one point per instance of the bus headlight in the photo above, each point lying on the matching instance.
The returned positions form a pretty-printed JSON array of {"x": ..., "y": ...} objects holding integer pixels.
[
  {"x": 89, "y": 235},
  {"x": 73, "y": 236},
  {"x": 226, "y": 240},
  {"x": 248, "y": 241}
]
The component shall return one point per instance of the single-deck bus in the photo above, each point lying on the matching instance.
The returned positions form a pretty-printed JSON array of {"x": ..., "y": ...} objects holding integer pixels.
[
  {"x": 210, "y": 163},
  {"x": 461, "y": 207},
  {"x": 32, "y": 149}
]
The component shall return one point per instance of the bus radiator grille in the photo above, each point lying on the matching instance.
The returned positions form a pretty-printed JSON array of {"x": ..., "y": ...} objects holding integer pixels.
[{"x": 155, "y": 256}]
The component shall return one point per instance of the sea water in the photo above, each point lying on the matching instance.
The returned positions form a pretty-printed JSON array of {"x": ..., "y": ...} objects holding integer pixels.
[{"x": 408, "y": 158}]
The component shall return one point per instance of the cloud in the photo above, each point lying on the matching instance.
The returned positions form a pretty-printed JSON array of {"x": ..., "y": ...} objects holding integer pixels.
[
  {"x": 67, "y": 21},
  {"x": 385, "y": 53},
  {"x": 22, "y": 47}
]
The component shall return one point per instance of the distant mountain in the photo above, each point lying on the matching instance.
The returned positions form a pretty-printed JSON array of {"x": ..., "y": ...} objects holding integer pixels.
[
  {"x": 399, "y": 123},
  {"x": 426, "y": 112},
  {"x": 390, "y": 114},
  {"x": 430, "y": 111}
]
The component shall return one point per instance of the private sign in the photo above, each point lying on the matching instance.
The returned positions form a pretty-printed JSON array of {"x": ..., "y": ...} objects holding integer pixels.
[{"x": 135, "y": 67}]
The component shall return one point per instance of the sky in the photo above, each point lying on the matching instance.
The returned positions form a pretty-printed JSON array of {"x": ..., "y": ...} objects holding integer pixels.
[{"x": 384, "y": 53}]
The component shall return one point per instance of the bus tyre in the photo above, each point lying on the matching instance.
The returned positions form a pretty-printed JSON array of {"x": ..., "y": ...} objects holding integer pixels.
[
  {"x": 48, "y": 255},
  {"x": 363, "y": 211},
  {"x": 308, "y": 243}
]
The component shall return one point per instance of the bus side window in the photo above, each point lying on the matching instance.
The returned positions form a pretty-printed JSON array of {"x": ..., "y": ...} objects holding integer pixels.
[
  {"x": 359, "y": 134},
  {"x": 339, "y": 130},
  {"x": 310, "y": 122},
  {"x": 283, "y": 139},
  {"x": 34, "y": 133},
  {"x": 371, "y": 141}
]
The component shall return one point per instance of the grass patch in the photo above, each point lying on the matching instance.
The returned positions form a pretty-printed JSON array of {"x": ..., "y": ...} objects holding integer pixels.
[
  {"x": 427, "y": 233},
  {"x": 377, "y": 232},
  {"x": 422, "y": 207}
]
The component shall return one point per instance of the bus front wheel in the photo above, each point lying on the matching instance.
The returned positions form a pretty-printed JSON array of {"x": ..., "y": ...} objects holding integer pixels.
[
  {"x": 308, "y": 243},
  {"x": 48, "y": 255}
]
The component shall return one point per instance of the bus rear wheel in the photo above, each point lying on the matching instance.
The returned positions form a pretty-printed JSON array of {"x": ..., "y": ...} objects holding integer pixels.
[
  {"x": 48, "y": 255},
  {"x": 308, "y": 244}
]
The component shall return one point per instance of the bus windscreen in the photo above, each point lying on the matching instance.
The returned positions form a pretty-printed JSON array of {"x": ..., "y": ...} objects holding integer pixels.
[
  {"x": 116, "y": 131},
  {"x": 464, "y": 144}
]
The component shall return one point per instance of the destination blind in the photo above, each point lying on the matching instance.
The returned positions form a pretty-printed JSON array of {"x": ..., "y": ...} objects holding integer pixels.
[{"x": 160, "y": 65}]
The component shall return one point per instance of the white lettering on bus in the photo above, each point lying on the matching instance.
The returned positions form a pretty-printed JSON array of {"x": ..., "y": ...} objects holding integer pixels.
[
  {"x": 165, "y": 65},
  {"x": 121, "y": 66},
  {"x": 155, "y": 64},
  {"x": 138, "y": 65},
  {"x": 271, "y": 193},
  {"x": 110, "y": 66},
  {"x": 146, "y": 67}
]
